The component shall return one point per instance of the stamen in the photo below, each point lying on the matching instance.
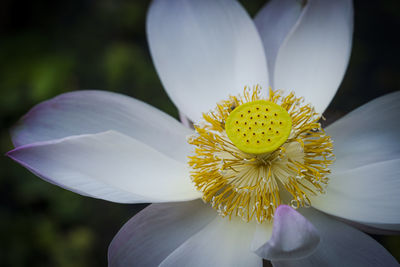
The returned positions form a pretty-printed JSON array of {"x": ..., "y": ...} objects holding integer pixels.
[{"x": 243, "y": 162}]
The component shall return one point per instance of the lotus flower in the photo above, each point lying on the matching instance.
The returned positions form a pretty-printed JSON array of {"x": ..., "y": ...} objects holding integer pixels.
[{"x": 269, "y": 192}]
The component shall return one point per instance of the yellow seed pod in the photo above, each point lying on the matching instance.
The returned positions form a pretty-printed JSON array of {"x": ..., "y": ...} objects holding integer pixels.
[{"x": 258, "y": 127}]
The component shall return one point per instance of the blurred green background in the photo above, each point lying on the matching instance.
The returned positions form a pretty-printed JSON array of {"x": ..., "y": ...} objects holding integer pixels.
[{"x": 50, "y": 47}]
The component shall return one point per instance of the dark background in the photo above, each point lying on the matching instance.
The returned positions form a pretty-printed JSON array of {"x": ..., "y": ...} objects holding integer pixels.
[{"x": 51, "y": 47}]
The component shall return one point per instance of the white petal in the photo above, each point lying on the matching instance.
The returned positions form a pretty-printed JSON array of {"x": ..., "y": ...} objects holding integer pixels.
[
  {"x": 274, "y": 22},
  {"x": 341, "y": 245},
  {"x": 204, "y": 51},
  {"x": 150, "y": 236},
  {"x": 110, "y": 166},
  {"x": 293, "y": 236},
  {"x": 314, "y": 56},
  {"x": 368, "y": 134},
  {"x": 368, "y": 194},
  {"x": 375, "y": 229},
  {"x": 221, "y": 243},
  {"x": 261, "y": 235},
  {"x": 88, "y": 112},
  {"x": 382, "y": 228},
  {"x": 365, "y": 178}
]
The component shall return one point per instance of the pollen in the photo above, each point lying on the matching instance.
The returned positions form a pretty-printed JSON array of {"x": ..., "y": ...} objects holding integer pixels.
[
  {"x": 253, "y": 154},
  {"x": 259, "y": 114}
]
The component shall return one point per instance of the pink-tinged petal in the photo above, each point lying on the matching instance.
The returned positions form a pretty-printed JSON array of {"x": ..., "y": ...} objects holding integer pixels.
[
  {"x": 204, "y": 51},
  {"x": 341, "y": 245},
  {"x": 293, "y": 236},
  {"x": 313, "y": 57},
  {"x": 365, "y": 181},
  {"x": 223, "y": 242},
  {"x": 274, "y": 22},
  {"x": 110, "y": 166},
  {"x": 89, "y": 112},
  {"x": 151, "y": 235}
]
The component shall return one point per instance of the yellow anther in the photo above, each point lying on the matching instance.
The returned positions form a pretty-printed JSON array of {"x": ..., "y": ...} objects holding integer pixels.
[{"x": 258, "y": 127}]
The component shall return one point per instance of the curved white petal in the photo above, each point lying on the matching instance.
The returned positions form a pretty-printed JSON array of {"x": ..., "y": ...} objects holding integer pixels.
[
  {"x": 365, "y": 181},
  {"x": 110, "y": 166},
  {"x": 382, "y": 228},
  {"x": 221, "y": 243},
  {"x": 274, "y": 22},
  {"x": 261, "y": 236},
  {"x": 341, "y": 245},
  {"x": 293, "y": 236},
  {"x": 369, "y": 134},
  {"x": 89, "y": 112},
  {"x": 204, "y": 51},
  {"x": 314, "y": 56},
  {"x": 151, "y": 235},
  {"x": 368, "y": 194},
  {"x": 375, "y": 229}
]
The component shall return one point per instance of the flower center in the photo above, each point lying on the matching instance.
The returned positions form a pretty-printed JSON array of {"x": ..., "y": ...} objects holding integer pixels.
[
  {"x": 253, "y": 154},
  {"x": 258, "y": 127}
]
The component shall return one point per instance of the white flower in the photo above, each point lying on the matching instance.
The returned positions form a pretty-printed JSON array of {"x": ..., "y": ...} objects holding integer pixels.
[{"x": 116, "y": 148}]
